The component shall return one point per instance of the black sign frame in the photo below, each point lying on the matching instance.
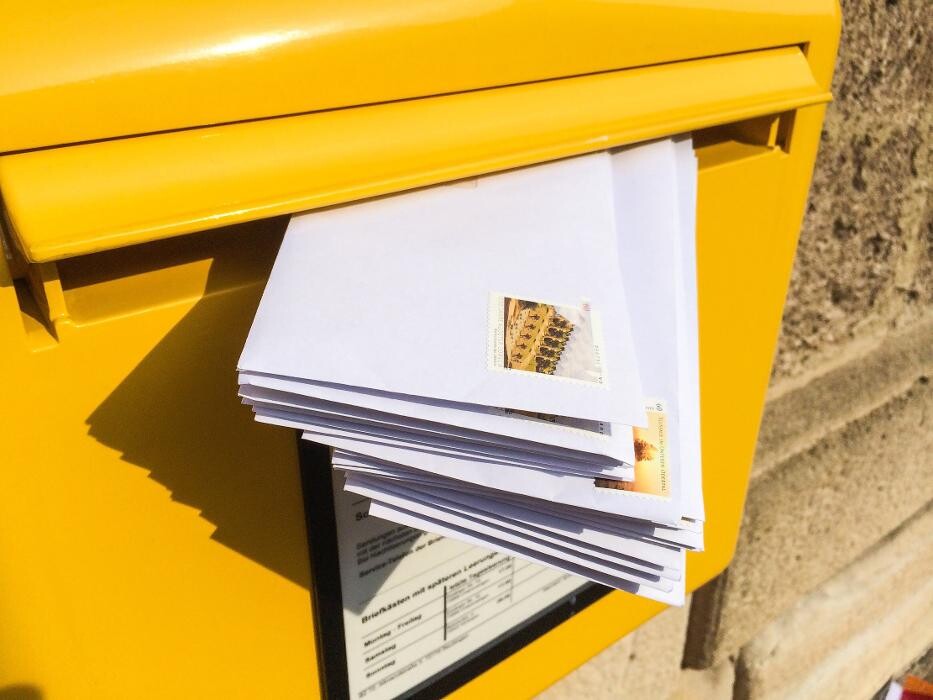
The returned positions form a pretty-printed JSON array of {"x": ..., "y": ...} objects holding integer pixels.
[{"x": 317, "y": 487}]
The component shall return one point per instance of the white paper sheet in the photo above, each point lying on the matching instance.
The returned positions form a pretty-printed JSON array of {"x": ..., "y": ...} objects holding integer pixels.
[
  {"x": 689, "y": 367},
  {"x": 405, "y": 517},
  {"x": 300, "y": 405},
  {"x": 429, "y": 453},
  {"x": 437, "y": 508},
  {"x": 395, "y": 294},
  {"x": 626, "y": 549},
  {"x": 657, "y": 253},
  {"x": 567, "y": 489},
  {"x": 686, "y": 534},
  {"x": 595, "y": 437}
]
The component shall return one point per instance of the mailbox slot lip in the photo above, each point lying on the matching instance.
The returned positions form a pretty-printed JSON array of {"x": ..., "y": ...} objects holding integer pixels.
[{"x": 92, "y": 197}]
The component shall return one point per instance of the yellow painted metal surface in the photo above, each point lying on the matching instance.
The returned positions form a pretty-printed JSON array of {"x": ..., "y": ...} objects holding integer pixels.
[
  {"x": 152, "y": 538},
  {"x": 92, "y": 69},
  {"x": 80, "y": 199}
]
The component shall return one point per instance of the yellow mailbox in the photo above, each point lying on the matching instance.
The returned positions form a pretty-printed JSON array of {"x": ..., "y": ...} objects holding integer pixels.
[{"x": 153, "y": 538}]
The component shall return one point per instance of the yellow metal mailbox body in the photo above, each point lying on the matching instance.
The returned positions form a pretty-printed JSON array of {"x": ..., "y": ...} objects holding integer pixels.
[{"x": 152, "y": 536}]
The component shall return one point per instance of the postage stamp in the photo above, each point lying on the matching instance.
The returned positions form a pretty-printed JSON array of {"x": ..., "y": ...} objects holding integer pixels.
[
  {"x": 652, "y": 466},
  {"x": 544, "y": 338}
]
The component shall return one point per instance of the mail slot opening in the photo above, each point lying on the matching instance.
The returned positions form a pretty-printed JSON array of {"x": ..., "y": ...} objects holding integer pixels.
[
  {"x": 767, "y": 131},
  {"x": 120, "y": 281},
  {"x": 107, "y": 284},
  {"x": 767, "y": 135}
]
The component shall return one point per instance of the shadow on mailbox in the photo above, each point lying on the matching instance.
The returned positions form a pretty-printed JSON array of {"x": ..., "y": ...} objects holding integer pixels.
[{"x": 177, "y": 415}]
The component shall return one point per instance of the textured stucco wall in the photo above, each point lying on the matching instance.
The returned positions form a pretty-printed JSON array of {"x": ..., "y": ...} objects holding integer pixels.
[{"x": 864, "y": 261}]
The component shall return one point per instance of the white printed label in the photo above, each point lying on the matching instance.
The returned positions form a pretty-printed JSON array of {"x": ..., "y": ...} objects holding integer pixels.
[{"x": 416, "y": 604}]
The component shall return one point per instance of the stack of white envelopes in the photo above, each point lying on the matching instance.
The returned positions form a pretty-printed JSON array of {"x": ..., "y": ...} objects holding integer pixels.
[{"x": 510, "y": 361}]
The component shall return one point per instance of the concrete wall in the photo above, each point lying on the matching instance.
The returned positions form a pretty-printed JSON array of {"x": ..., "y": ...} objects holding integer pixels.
[{"x": 830, "y": 592}]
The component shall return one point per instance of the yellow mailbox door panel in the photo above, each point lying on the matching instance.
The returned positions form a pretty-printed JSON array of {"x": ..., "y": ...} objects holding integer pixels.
[{"x": 153, "y": 538}]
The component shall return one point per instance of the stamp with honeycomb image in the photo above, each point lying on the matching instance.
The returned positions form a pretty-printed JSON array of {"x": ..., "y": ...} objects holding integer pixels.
[{"x": 546, "y": 339}]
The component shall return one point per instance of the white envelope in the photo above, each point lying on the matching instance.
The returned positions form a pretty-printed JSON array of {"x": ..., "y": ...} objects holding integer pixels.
[
  {"x": 301, "y": 405},
  {"x": 657, "y": 255},
  {"x": 401, "y": 293},
  {"x": 501, "y": 528},
  {"x": 595, "y": 437},
  {"x": 430, "y": 458},
  {"x": 432, "y": 524},
  {"x": 428, "y": 451},
  {"x": 686, "y": 534},
  {"x": 649, "y": 556},
  {"x": 689, "y": 368},
  {"x": 567, "y": 489}
]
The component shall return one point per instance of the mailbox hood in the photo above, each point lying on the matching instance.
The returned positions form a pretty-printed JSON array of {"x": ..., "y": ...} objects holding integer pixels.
[{"x": 97, "y": 69}]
